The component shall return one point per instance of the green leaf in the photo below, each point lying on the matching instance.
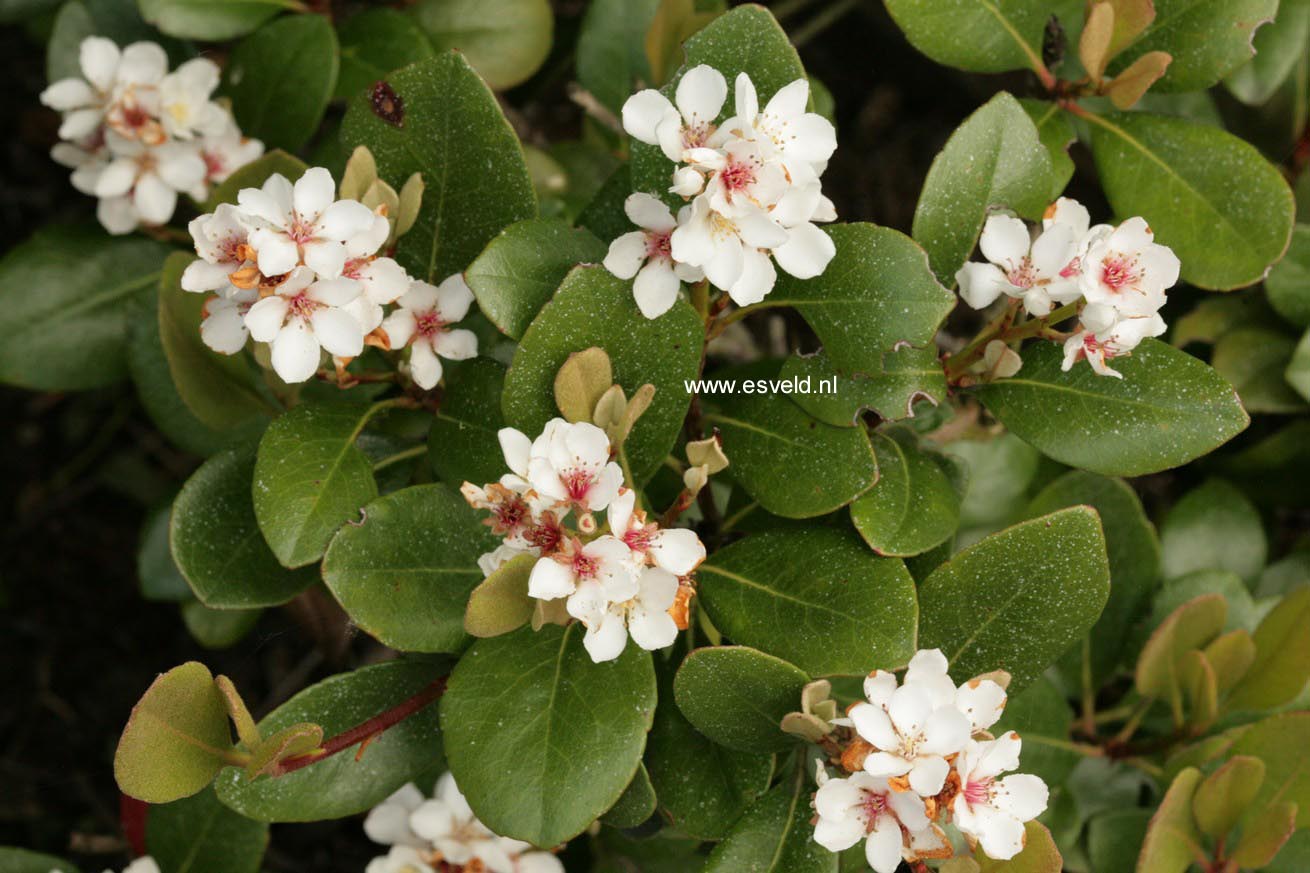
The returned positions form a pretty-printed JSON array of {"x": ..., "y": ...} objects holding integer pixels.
[
  {"x": 815, "y": 597},
  {"x": 216, "y": 540},
  {"x": 254, "y": 174},
  {"x": 280, "y": 79},
  {"x": 522, "y": 710},
  {"x": 75, "y": 20},
  {"x": 876, "y": 294},
  {"x": 774, "y": 835},
  {"x": 201, "y": 835},
  {"x": 619, "y": 852},
  {"x": 175, "y": 738},
  {"x": 1210, "y": 196},
  {"x": 1214, "y": 317},
  {"x": 1253, "y": 359},
  {"x": 1278, "y": 46},
  {"x": 374, "y": 43},
  {"x": 612, "y": 49},
  {"x": 66, "y": 294},
  {"x": 1042, "y": 716},
  {"x": 593, "y": 308},
  {"x": 1293, "y": 857},
  {"x": 994, "y": 159},
  {"x": 1226, "y": 793},
  {"x": 447, "y": 126},
  {"x": 1208, "y": 39},
  {"x": 1288, "y": 282},
  {"x": 764, "y": 433},
  {"x": 404, "y": 573},
  {"x": 1264, "y": 837},
  {"x": 1187, "y": 628},
  {"x": 1002, "y": 35},
  {"x": 1242, "y": 611},
  {"x": 1297, "y": 372},
  {"x": 999, "y": 472},
  {"x": 913, "y": 505},
  {"x": 1019, "y": 598},
  {"x": 22, "y": 861},
  {"x": 157, "y": 573},
  {"x": 1039, "y": 854},
  {"x": 218, "y": 389},
  {"x": 1280, "y": 741},
  {"x": 218, "y": 628},
  {"x": 519, "y": 270},
  {"x": 737, "y": 697},
  {"x": 1172, "y": 842},
  {"x": 346, "y": 783},
  {"x": 500, "y": 603},
  {"x": 905, "y": 377},
  {"x": 1213, "y": 527},
  {"x": 635, "y": 805},
  {"x": 506, "y": 41},
  {"x": 1169, "y": 408},
  {"x": 212, "y": 20},
  {"x": 1056, "y": 133},
  {"x": 1114, "y": 838},
  {"x": 1134, "y": 554},
  {"x": 745, "y": 40},
  {"x": 462, "y": 443},
  {"x": 1282, "y": 660},
  {"x": 311, "y": 478}
]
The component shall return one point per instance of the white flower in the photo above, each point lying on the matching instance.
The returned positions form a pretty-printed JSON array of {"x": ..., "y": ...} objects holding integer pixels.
[
  {"x": 741, "y": 178},
  {"x": 1042, "y": 272},
  {"x": 185, "y": 107},
  {"x": 864, "y": 807},
  {"x": 647, "y": 254},
  {"x": 677, "y": 550},
  {"x": 140, "y": 183},
  {"x": 915, "y": 727},
  {"x": 802, "y": 140},
  {"x": 224, "y": 326},
  {"x": 648, "y": 115},
  {"x": 226, "y": 151},
  {"x": 490, "y": 562},
  {"x": 449, "y": 825},
  {"x": 1117, "y": 339},
  {"x": 570, "y": 464},
  {"x": 302, "y": 224},
  {"x": 401, "y": 859},
  {"x": 388, "y": 822},
  {"x": 982, "y": 701},
  {"x": 1128, "y": 270},
  {"x": 611, "y": 615},
  {"x": 110, "y": 76},
  {"x": 220, "y": 239},
  {"x": 731, "y": 251},
  {"x": 301, "y": 318},
  {"x": 992, "y": 810},
  {"x": 423, "y": 319},
  {"x": 600, "y": 569}
]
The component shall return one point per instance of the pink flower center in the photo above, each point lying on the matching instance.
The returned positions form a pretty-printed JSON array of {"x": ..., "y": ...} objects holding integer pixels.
[
  {"x": 1073, "y": 268},
  {"x": 545, "y": 536},
  {"x": 638, "y": 539},
  {"x": 1118, "y": 271},
  {"x": 577, "y": 482},
  {"x": 134, "y": 117},
  {"x": 352, "y": 267},
  {"x": 302, "y": 305},
  {"x": 585, "y": 566},
  {"x": 977, "y": 792},
  {"x": 658, "y": 245},
  {"x": 300, "y": 231},
  {"x": 229, "y": 246},
  {"x": 428, "y": 323},
  {"x": 1023, "y": 276},
  {"x": 873, "y": 807},
  {"x": 696, "y": 134},
  {"x": 215, "y": 166},
  {"x": 737, "y": 176}
]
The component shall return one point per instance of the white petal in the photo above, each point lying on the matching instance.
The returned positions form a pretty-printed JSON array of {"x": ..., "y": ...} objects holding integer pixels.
[
  {"x": 224, "y": 331},
  {"x": 456, "y": 345},
  {"x": 759, "y": 230},
  {"x": 384, "y": 280},
  {"x": 1001, "y": 835},
  {"x": 79, "y": 124},
  {"x": 982, "y": 701},
  {"x": 118, "y": 178},
  {"x": 275, "y": 252},
  {"x": 643, "y": 112},
  {"x": 117, "y": 215},
  {"x": 701, "y": 93},
  {"x": 756, "y": 280},
  {"x": 909, "y": 709},
  {"x": 539, "y": 862},
  {"x": 981, "y": 284},
  {"x": 652, "y": 630},
  {"x": 99, "y": 59},
  {"x": 588, "y": 604},
  {"x": 399, "y": 327},
  {"x": 996, "y": 756},
  {"x": 296, "y": 352},
  {"x": 337, "y": 332},
  {"x": 606, "y": 642},
  {"x": 807, "y": 252},
  {"x": 424, "y": 365},
  {"x": 550, "y": 580},
  {"x": 433, "y": 820},
  {"x": 928, "y": 775},
  {"x": 656, "y": 288},
  {"x": 887, "y": 765},
  {"x": 677, "y": 550},
  {"x": 313, "y": 193},
  {"x": 1022, "y": 795},
  {"x": 626, "y": 254},
  {"x": 453, "y": 299},
  {"x": 815, "y": 138},
  {"x": 746, "y": 101},
  {"x": 945, "y": 732},
  {"x": 333, "y": 292},
  {"x": 266, "y": 317},
  {"x": 838, "y": 834},
  {"x": 649, "y": 212},
  {"x": 324, "y": 257},
  {"x": 155, "y": 201},
  {"x": 658, "y": 589},
  {"x": 202, "y": 276},
  {"x": 883, "y": 848},
  {"x": 874, "y": 725},
  {"x": 879, "y": 687},
  {"x": 266, "y": 204},
  {"x": 1053, "y": 250},
  {"x": 516, "y": 447},
  {"x": 143, "y": 63},
  {"x": 1005, "y": 241},
  {"x": 344, "y": 219},
  {"x": 68, "y": 94}
]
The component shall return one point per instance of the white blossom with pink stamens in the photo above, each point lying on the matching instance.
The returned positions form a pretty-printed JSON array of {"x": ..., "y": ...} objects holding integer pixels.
[{"x": 647, "y": 255}]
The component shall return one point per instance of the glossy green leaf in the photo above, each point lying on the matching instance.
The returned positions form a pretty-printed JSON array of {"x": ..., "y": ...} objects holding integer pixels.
[
  {"x": 1134, "y": 554},
  {"x": 310, "y": 478},
  {"x": 1207, "y": 39},
  {"x": 913, "y": 505},
  {"x": 1189, "y": 627},
  {"x": 1019, "y": 598},
  {"x": 500, "y": 603},
  {"x": 22, "y": 861},
  {"x": 1057, "y": 134},
  {"x": 737, "y": 697},
  {"x": 1213, "y": 527},
  {"x": 1297, "y": 372},
  {"x": 876, "y": 294},
  {"x": 815, "y": 597},
  {"x": 1280, "y": 741},
  {"x": 593, "y": 308},
  {"x": 280, "y": 79},
  {"x": 346, "y": 783},
  {"x": 618, "y": 851},
  {"x": 1253, "y": 360},
  {"x": 506, "y": 41},
  {"x": 525, "y": 709},
  {"x": 1264, "y": 837},
  {"x": 445, "y": 124},
  {"x": 1042, "y": 717},
  {"x": 1278, "y": 46},
  {"x": 612, "y": 49},
  {"x": 519, "y": 270},
  {"x": 775, "y": 835},
  {"x": 1226, "y": 793},
  {"x": 201, "y": 835},
  {"x": 1172, "y": 841},
  {"x": 254, "y": 174},
  {"x": 1242, "y": 611},
  {"x": 763, "y": 434},
  {"x": 635, "y": 805},
  {"x": 1210, "y": 196},
  {"x": 1214, "y": 317},
  {"x": 995, "y": 159},
  {"x": 374, "y": 43},
  {"x": 1282, "y": 661},
  {"x": 462, "y": 443},
  {"x": 404, "y": 573},
  {"x": 907, "y": 376},
  {"x": 66, "y": 294},
  {"x": 999, "y": 472},
  {"x": 1288, "y": 282},
  {"x": 218, "y": 389},
  {"x": 1114, "y": 838},
  {"x": 157, "y": 573},
  {"x": 218, "y": 628},
  {"x": 175, "y": 738},
  {"x": 212, "y": 20},
  {"x": 1169, "y": 408},
  {"x": 1002, "y": 35},
  {"x": 217, "y": 543}
]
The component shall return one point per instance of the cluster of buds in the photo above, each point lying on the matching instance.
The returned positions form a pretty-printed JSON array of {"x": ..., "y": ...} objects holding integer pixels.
[
  {"x": 136, "y": 135},
  {"x": 1118, "y": 275},
  {"x": 914, "y": 757},
  {"x": 625, "y": 577},
  {"x": 442, "y": 835},
  {"x": 751, "y": 184},
  {"x": 297, "y": 268}
]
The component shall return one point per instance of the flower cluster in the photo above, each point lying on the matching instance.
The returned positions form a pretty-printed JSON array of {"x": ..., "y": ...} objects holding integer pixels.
[
  {"x": 442, "y": 835},
  {"x": 1120, "y": 273},
  {"x": 752, "y": 184},
  {"x": 920, "y": 756},
  {"x": 627, "y": 580},
  {"x": 136, "y": 135},
  {"x": 294, "y": 267}
]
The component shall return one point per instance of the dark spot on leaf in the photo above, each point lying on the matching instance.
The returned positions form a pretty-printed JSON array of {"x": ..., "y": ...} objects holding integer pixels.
[{"x": 387, "y": 104}]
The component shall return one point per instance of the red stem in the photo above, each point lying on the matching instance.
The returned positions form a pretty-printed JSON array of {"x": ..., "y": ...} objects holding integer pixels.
[{"x": 367, "y": 731}]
